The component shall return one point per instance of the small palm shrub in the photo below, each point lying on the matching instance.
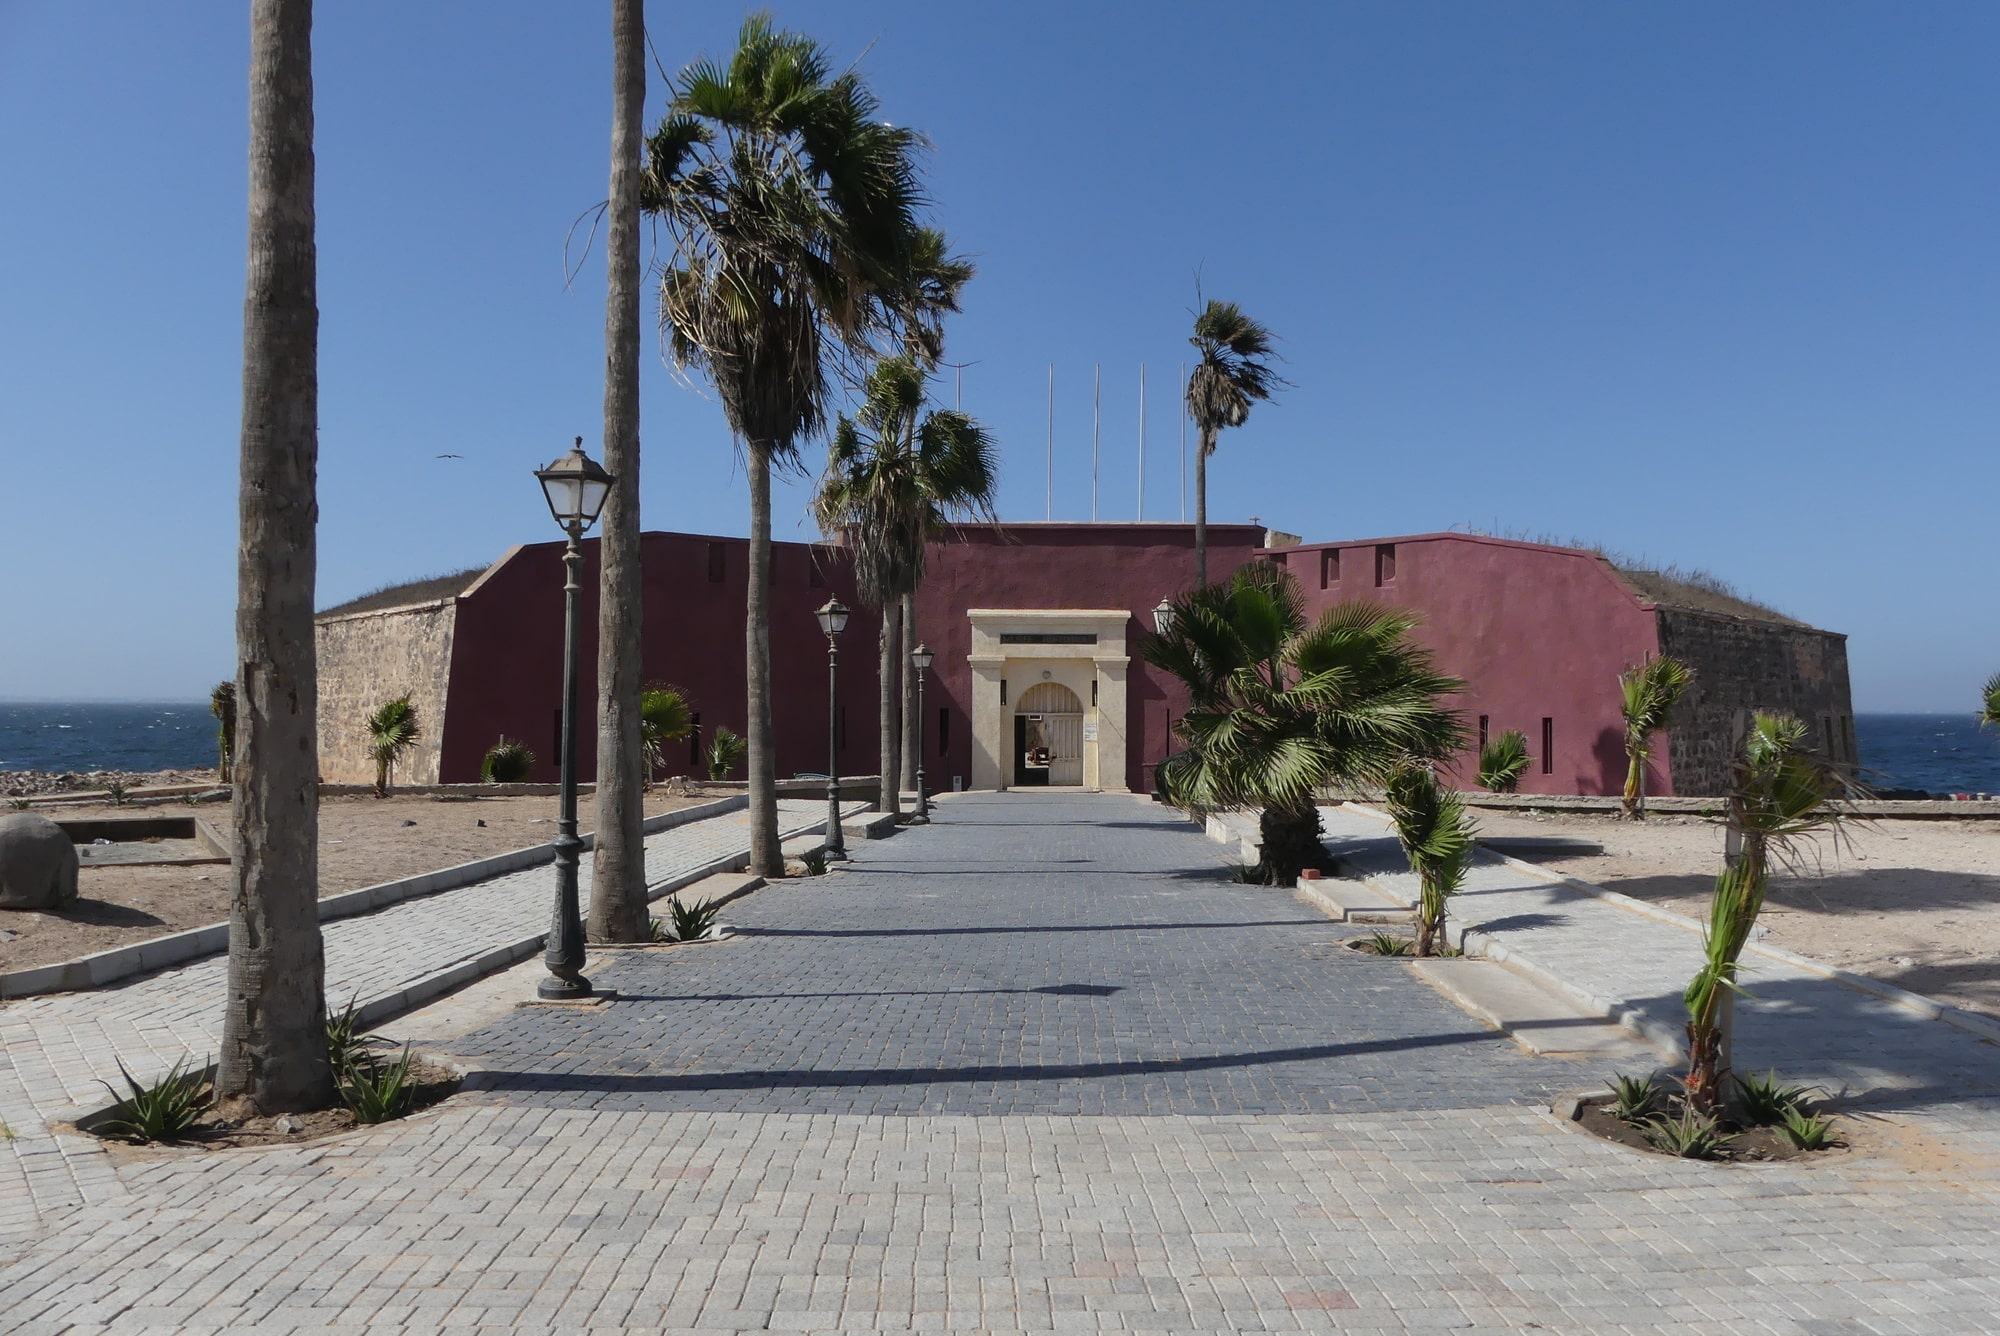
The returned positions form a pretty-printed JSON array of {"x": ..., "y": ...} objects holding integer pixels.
[
  {"x": 725, "y": 752},
  {"x": 1765, "y": 1100},
  {"x": 1989, "y": 703},
  {"x": 1635, "y": 1099},
  {"x": 1436, "y": 834},
  {"x": 1692, "y": 1136},
  {"x": 1502, "y": 762},
  {"x": 375, "y": 1092},
  {"x": 508, "y": 761},
  {"x": 163, "y": 1111},
  {"x": 392, "y": 730},
  {"x": 1651, "y": 691},
  {"x": 115, "y": 790},
  {"x": 664, "y": 716}
]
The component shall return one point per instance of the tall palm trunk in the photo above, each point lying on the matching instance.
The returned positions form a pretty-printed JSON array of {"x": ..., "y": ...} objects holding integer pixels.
[
  {"x": 888, "y": 642},
  {"x": 618, "y": 867},
  {"x": 1288, "y": 841},
  {"x": 909, "y": 679},
  {"x": 274, "y": 1057},
  {"x": 1635, "y": 786},
  {"x": 1207, "y": 443},
  {"x": 767, "y": 859}
]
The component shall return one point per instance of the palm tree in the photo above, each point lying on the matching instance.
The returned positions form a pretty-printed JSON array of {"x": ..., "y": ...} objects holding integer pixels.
[
  {"x": 791, "y": 205},
  {"x": 1781, "y": 795},
  {"x": 274, "y": 1056},
  {"x": 1652, "y": 689},
  {"x": 618, "y": 904},
  {"x": 1437, "y": 836},
  {"x": 392, "y": 730},
  {"x": 1503, "y": 761},
  {"x": 1989, "y": 703},
  {"x": 1279, "y": 707},
  {"x": 664, "y": 716},
  {"x": 896, "y": 477},
  {"x": 1232, "y": 372}
]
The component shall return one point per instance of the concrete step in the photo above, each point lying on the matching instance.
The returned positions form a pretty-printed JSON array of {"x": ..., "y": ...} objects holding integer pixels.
[
  {"x": 1532, "y": 1016},
  {"x": 869, "y": 826},
  {"x": 1348, "y": 901},
  {"x": 720, "y": 888}
]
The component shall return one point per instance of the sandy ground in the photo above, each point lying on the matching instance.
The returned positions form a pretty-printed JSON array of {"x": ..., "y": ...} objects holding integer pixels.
[
  {"x": 1912, "y": 903},
  {"x": 362, "y": 841}
]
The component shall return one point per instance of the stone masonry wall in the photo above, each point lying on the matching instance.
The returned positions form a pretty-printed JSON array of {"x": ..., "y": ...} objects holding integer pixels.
[
  {"x": 1743, "y": 665},
  {"x": 367, "y": 658}
]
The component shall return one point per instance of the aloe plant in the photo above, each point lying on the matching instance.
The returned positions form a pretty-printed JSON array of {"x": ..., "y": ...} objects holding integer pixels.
[
  {"x": 166, "y": 1110},
  {"x": 1781, "y": 795},
  {"x": 1436, "y": 834},
  {"x": 1503, "y": 761}
]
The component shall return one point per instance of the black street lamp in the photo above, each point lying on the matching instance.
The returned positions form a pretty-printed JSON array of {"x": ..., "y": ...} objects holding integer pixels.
[
  {"x": 575, "y": 486},
  {"x": 920, "y": 659},
  {"x": 833, "y": 620}
]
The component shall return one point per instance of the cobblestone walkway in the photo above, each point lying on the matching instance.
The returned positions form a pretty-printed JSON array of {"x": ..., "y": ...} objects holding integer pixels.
[
  {"x": 55, "y": 1050},
  {"x": 1036, "y": 1068}
]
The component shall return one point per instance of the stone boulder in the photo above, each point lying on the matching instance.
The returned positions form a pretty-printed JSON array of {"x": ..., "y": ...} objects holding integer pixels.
[{"x": 38, "y": 864}]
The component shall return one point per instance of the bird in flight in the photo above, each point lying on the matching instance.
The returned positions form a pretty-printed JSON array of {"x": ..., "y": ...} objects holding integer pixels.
[{"x": 451, "y": 456}]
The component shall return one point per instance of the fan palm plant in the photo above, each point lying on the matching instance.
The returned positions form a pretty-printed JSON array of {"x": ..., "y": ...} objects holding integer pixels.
[
  {"x": 392, "y": 730},
  {"x": 1989, "y": 703},
  {"x": 664, "y": 716},
  {"x": 791, "y": 205},
  {"x": 1781, "y": 795},
  {"x": 1436, "y": 834},
  {"x": 1280, "y": 707},
  {"x": 1652, "y": 689},
  {"x": 896, "y": 477},
  {"x": 1232, "y": 372},
  {"x": 1503, "y": 761}
]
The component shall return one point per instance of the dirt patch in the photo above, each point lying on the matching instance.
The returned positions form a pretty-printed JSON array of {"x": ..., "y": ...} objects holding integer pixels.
[
  {"x": 433, "y": 1083},
  {"x": 1915, "y": 904},
  {"x": 1746, "y": 1145},
  {"x": 362, "y": 842}
]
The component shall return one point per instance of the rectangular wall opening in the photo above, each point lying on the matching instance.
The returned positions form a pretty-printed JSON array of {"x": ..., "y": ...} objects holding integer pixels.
[
  {"x": 1329, "y": 568},
  {"x": 1483, "y": 720},
  {"x": 1385, "y": 564},
  {"x": 1548, "y": 746},
  {"x": 944, "y": 729}
]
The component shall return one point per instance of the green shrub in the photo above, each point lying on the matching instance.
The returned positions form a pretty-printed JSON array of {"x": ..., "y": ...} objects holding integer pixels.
[
  {"x": 689, "y": 921},
  {"x": 508, "y": 761},
  {"x": 815, "y": 861},
  {"x": 1502, "y": 761},
  {"x": 163, "y": 1111},
  {"x": 1692, "y": 1136},
  {"x": 1386, "y": 944},
  {"x": 376, "y": 1092},
  {"x": 1807, "y": 1131},
  {"x": 1635, "y": 1099},
  {"x": 665, "y": 715},
  {"x": 346, "y": 1048},
  {"x": 1764, "y": 1100}
]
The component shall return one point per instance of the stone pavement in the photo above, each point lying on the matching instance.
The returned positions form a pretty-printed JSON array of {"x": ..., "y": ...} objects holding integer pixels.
[
  {"x": 964, "y": 1120},
  {"x": 1634, "y": 960},
  {"x": 56, "y": 1049}
]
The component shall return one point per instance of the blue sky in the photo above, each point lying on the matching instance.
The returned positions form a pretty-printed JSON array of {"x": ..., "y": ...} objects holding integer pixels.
[{"x": 1713, "y": 284}]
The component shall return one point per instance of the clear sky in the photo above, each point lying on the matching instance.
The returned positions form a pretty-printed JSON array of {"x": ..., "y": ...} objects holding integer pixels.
[{"x": 1713, "y": 284}]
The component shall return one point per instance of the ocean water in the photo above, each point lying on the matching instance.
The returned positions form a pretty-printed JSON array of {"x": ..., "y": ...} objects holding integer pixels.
[
  {"x": 98, "y": 736},
  {"x": 1938, "y": 753}
]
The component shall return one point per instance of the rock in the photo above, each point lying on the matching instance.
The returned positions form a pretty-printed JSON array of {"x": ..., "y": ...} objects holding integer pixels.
[
  {"x": 409, "y": 823},
  {"x": 38, "y": 864},
  {"x": 482, "y": 825},
  {"x": 288, "y": 1125}
]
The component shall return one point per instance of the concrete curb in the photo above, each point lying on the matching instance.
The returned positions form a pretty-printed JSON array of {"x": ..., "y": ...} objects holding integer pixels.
[{"x": 104, "y": 967}]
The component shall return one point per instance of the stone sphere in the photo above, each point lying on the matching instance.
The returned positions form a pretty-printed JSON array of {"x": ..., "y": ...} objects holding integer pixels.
[{"x": 38, "y": 863}]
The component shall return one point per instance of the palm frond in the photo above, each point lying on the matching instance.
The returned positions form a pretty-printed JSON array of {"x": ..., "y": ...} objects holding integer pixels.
[{"x": 1989, "y": 702}]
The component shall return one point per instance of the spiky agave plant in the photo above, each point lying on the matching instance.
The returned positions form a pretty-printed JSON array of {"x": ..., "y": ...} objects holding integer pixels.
[
  {"x": 1436, "y": 834},
  {"x": 392, "y": 730},
  {"x": 1279, "y": 706},
  {"x": 664, "y": 716},
  {"x": 1781, "y": 796},
  {"x": 1503, "y": 761},
  {"x": 1652, "y": 689}
]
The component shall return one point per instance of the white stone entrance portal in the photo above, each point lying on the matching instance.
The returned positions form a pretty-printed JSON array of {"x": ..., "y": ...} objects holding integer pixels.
[{"x": 1049, "y": 702}]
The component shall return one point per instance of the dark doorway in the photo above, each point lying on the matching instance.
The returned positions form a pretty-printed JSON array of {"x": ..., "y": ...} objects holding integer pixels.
[{"x": 1030, "y": 746}]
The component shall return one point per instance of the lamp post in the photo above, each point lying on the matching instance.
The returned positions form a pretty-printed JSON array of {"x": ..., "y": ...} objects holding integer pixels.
[
  {"x": 833, "y": 620},
  {"x": 1163, "y": 625},
  {"x": 575, "y": 487},
  {"x": 920, "y": 659}
]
